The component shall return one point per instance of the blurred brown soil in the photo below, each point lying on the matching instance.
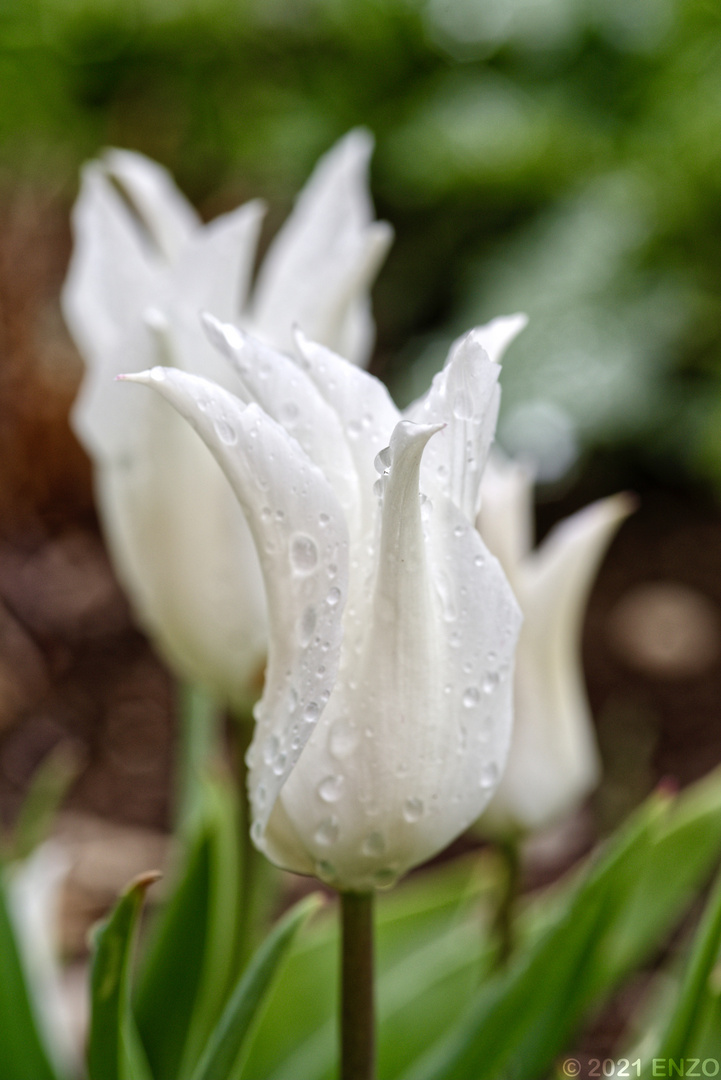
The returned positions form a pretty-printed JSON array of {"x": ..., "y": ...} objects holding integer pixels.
[{"x": 74, "y": 666}]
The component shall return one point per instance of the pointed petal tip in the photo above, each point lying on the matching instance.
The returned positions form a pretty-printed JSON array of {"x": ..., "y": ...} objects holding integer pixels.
[{"x": 226, "y": 337}]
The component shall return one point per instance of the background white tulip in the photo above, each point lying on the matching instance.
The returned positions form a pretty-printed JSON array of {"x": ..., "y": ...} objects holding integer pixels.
[
  {"x": 142, "y": 269},
  {"x": 385, "y": 720},
  {"x": 553, "y": 763}
]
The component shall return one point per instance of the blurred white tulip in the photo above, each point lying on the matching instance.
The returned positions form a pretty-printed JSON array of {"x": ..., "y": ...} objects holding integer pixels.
[
  {"x": 34, "y": 891},
  {"x": 385, "y": 721},
  {"x": 553, "y": 763},
  {"x": 142, "y": 268}
]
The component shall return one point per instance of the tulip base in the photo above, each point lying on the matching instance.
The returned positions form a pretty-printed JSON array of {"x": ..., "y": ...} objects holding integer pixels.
[{"x": 357, "y": 1006}]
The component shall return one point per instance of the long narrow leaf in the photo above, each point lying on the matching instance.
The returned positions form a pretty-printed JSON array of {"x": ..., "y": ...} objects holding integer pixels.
[
  {"x": 226, "y": 1042},
  {"x": 112, "y": 1048}
]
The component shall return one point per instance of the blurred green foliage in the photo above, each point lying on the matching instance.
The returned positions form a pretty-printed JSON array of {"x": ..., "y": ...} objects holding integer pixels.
[{"x": 561, "y": 157}]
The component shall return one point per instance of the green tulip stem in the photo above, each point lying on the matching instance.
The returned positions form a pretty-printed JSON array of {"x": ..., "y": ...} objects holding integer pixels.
[
  {"x": 200, "y": 738},
  {"x": 357, "y": 1007},
  {"x": 504, "y": 923}
]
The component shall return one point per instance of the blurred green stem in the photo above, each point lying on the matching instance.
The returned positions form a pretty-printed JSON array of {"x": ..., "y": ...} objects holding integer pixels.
[
  {"x": 357, "y": 1006},
  {"x": 199, "y": 742},
  {"x": 504, "y": 922},
  {"x": 260, "y": 879}
]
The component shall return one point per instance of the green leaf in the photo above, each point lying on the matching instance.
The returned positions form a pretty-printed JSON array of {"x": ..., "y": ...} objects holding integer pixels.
[
  {"x": 679, "y": 1039},
  {"x": 22, "y": 1053},
  {"x": 226, "y": 1042},
  {"x": 189, "y": 968},
  {"x": 48, "y": 787},
  {"x": 113, "y": 1049}
]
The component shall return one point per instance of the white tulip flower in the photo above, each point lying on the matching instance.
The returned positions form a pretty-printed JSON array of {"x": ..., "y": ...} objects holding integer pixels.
[
  {"x": 142, "y": 268},
  {"x": 553, "y": 762},
  {"x": 385, "y": 720}
]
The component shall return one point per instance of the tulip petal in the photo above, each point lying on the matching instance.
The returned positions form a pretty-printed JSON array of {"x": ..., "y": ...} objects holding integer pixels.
[
  {"x": 412, "y": 742},
  {"x": 325, "y": 256},
  {"x": 499, "y": 333},
  {"x": 163, "y": 210},
  {"x": 214, "y": 267},
  {"x": 554, "y": 759},
  {"x": 465, "y": 396},
  {"x": 286, "y": 394},
  {"x": 107, "y": 289},
  {"x": 505, "y": 520},
  {"x": 302, "y": 544},
  {"x": 363, "y": 405}
]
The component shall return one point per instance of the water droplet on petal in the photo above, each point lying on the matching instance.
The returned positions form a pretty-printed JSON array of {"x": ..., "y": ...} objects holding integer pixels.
[
  {"x": 331, "y": 788},
  {"x": 479, "y": 560},
  {"x": 261, "y": 795},
  {"x": 490, "y": 682},
  {"x": 343, "y": 738},
  {"x": 307, "y": 626},
  {"x": 374, "y": 844},
  {"x": 288, "y": 412},
  {"x": 333, "y": 597},
  {"x": 303, "y": 553},
  {"x": 489, "y": 776},
  {"x": 471, "y": 697},
  {"x": 327, "y": 831},
  {"x": 226, "y": 432},
  {"x": 463, "y": 406},
  {"x": 383, "y": 460},
  {"x": 257, "y": 831},
  {"x": 279, "y": 763},
  {"x": 353, "y": 429},
  {"x": 323, "y": 520},
  {"x": 383, "y": 879},
  {"x": 458, "y": 531},
  {"x": 311, "y": 712},
  {"x": 325, "y": 870},
  {"x": 413, "y": 810},
  {"x": 271, "y": 746}
]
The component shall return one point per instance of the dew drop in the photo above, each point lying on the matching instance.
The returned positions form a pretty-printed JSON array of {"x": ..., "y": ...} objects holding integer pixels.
[
  {"x": 226, "y": 432},
  {"x": 490, "y": 682},
  {"x": 279, "y": 763},
  {"x": 323, "y": 520},
  {"x": 307, "y": 626},
  {"x": 289, "y": 412},
  {"x": 266, "y": 514},
  {"x": 471, "y": 697},
  {"x": 331, "y": 788},
  {"x": 379, "y": 488},
  {"x": 489, "y": 776},
  {"x": 304, "y": 553},
  {"x": 343, "y": 739},
  {"x": 292, "y": 699},
  {"x": 479, "y": 560},
  {"x": 463, "y": 406},
  {"x": 455, "y": 640},
  {"x": 374, "y": 844},
  {"x": 383, "y": 879},
  {"x": 333, "y": 597},
  {"x": 383, "y": 460},
  {"x": 325, "y": 870},
  {"x": 311, "y": 712},
  {"x": 327, "y": 831},
  {"x": 491, "y": 657},
  {"x": 261, "y": 795},
  {"x": 332, "y": 570},
  {"x": 256, "y": 832},
  {"x": 458, "y": 531},
  {"x": 353, "y": 429},
  {"x": 413, "y": 810},
  {"x": 271, "y": 748}
]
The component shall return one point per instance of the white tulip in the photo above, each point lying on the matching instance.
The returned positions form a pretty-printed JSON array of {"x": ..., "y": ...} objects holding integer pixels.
[
  {"x": 34, "y": 888},
  {"x": 142, "y": 269},
  {"x": 385, "y": 720},
  {"x": 553, "y": 762}
]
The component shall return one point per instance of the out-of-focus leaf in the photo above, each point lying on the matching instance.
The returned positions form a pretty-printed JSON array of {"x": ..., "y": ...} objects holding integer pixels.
[
  {"x": 512, "y": 1030},
  {"x": 680, "y": 1038},
  {"x": 22, "y": 1054},
  {"x": 114, "y": 1052},
  {"x": 184, "y": 982},
  {"x": 48, "y": 787},
  {"x": 226, "y": 1042}
]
